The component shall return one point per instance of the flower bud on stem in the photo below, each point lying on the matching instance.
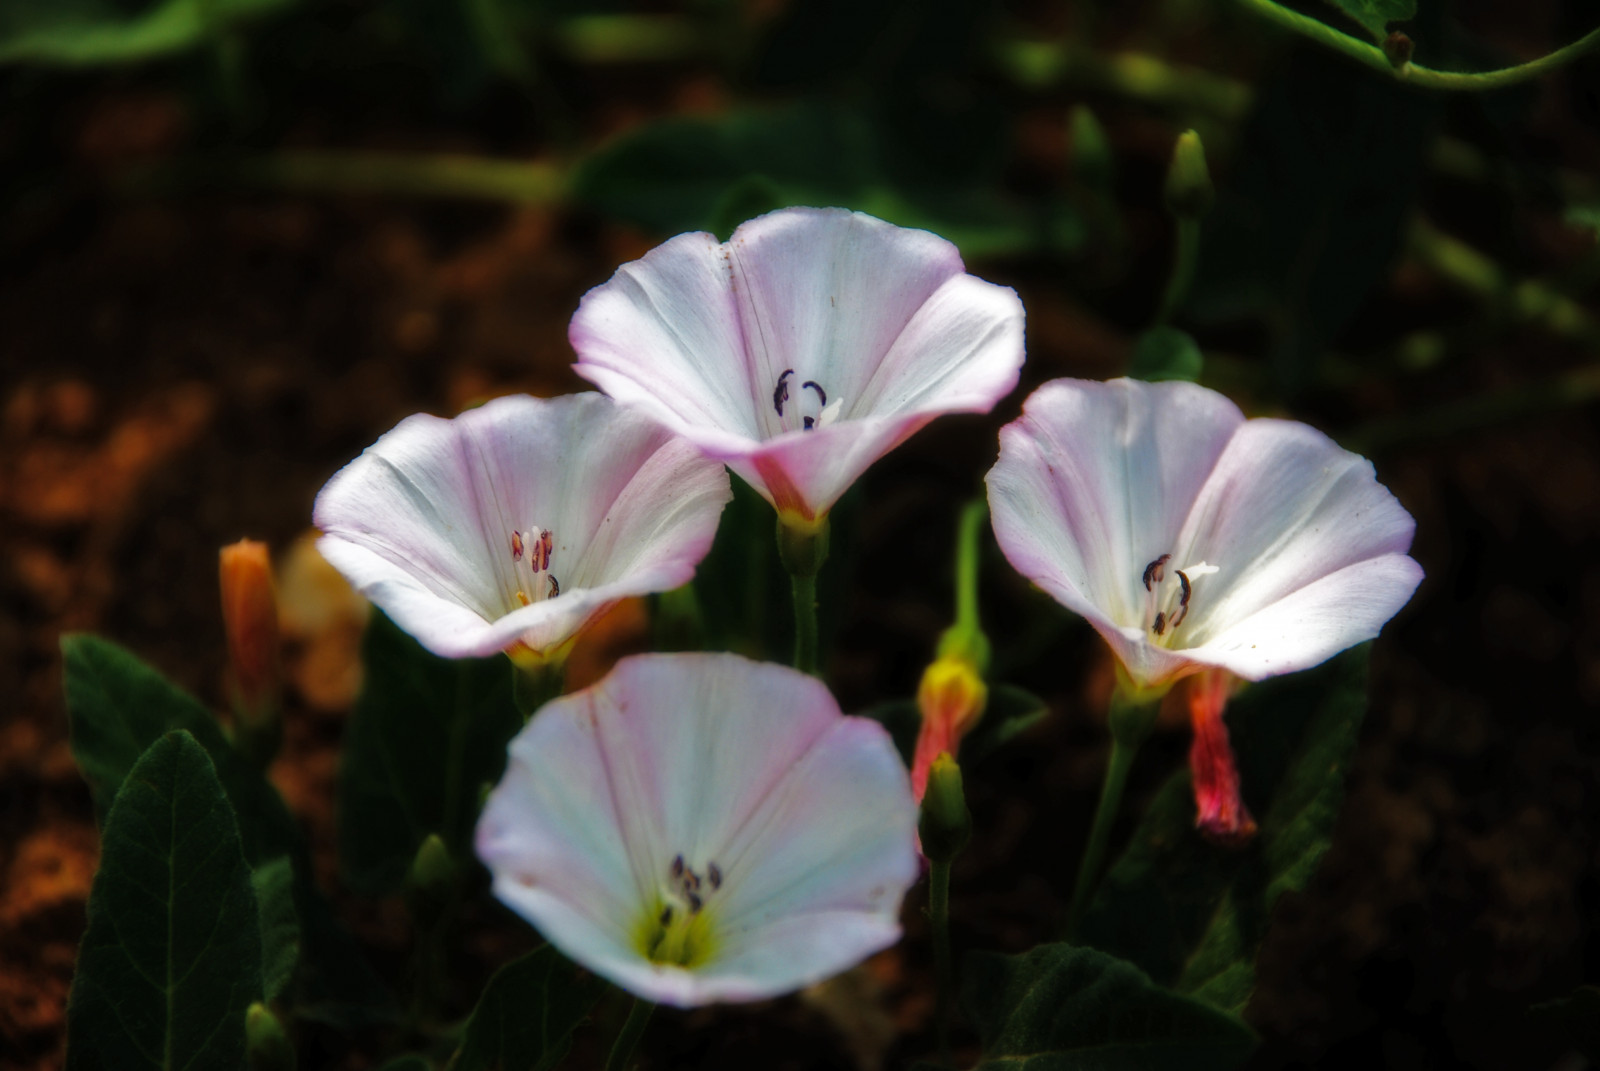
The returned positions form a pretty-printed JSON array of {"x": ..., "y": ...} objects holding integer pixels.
[
  {"x": 267, "y": 1047},
  {"x": 430, "y": 893},
  {"x": 1131, "y": 717},
  {"x": 1189, "y": 196},
  {"x": 250, "y": 620},
  {"x": 945, "y": 829},
  {"x": 803, "y": 547}
]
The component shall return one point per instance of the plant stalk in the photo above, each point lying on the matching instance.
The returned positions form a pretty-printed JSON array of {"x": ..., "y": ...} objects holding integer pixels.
[{"x": 628, "y": 1037}]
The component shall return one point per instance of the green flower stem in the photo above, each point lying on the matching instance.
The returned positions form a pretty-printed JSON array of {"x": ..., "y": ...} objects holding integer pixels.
[
  {"x": 1185, "y": 256},
  {"x": 628, "y": 1037},
  {"x": 1418, "y": 75},
  {"x": 969, "y": 532},
  {"x": 1105, "y": 816},
  {"x": 533, "y": 688},
  {"x": 939, "y": 919},
  {"x": 803, "y": 548},
  {"x": 1131, "y": 717}
]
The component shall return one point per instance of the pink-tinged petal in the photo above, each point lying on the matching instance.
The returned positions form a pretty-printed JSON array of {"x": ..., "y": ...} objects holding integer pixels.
[
  {"x": 1293, "y": 549},
  {"x": 1284, "y": 507},
  {"x": 1093, "y": 483},
  {"x": 744, "y": 776},
  {"x": 1313, "y": 623},
  {"x": 880, "y": 320},
  {"x": 421, "y": 523}
]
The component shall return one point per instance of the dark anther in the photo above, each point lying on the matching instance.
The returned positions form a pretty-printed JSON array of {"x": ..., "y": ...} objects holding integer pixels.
[
  {"x": 677, "y": 866},
  {"x": 1160, "y": 625},
  {"x": 555, "y": 586},
  {"x": 811, "y": 384},
  {"x": 695, "y": 903},
  {"x": 1183, "y": 597},
  {"x": 516, "y": 546},
  {"x": 1156, "y": 571},
  {"x": 666, "y": 915},
  {"x": 714, "y": 873},
  {"x": 808, "y": 423},
  {"x": 691, "y": 881},
  {"x": 546, "y": 548},
  {"x": 780, "y": 393}
]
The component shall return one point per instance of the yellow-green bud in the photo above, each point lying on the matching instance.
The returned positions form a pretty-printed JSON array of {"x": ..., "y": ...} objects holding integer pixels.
[
  {"x": 430, "y": 885},
  {"x": 946, "y": 824},
  {"x": 1189, "y": 192},
  {"x": 267, "y": 1045}
]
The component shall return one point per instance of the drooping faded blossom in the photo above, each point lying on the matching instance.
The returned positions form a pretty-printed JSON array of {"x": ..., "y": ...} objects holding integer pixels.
[
  {"x": 1195, "y": 540},
  {"x": 512, "y": 526},
  {"x": 699, "y": 827},
  {"x": 804, "y": 348}
]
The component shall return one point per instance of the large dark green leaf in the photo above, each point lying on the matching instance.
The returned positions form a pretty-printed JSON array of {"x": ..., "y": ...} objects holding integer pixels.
[
  {"x": 1066, "y": 1008},
  {"x": 171, "y": 958},
  {"x": 1193, "y": 914},
  {"x": 1375, "y": 15},
  {"x": 527, "y": 1014},
  {"x": 117, "y": 707},
  {"x": 427, "y": 734},
  {"x": 84, "y": 33},
  {"x": 1314, "y": 208},
  {"x": 710, "y": 173}
]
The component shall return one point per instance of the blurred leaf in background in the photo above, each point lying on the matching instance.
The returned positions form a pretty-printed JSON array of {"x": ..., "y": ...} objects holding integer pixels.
[{"x": 86, "y": 33}]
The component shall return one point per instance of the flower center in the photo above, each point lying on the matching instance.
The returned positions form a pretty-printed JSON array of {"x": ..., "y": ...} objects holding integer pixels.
[
  {"x": 811, "y": 407},
  {"x": 678, "y": 931},
  {"x": 1169, "y": 595},
  {"x": 531, "y": 550}
]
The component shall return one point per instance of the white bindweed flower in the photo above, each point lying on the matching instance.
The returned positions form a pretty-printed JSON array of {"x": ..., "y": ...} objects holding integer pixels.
[
  {"x": 1190, "y": 537},
  {"x": 512, "y": 526},
  {"x": 700, "y": 827},
  {"x": 804, "y": 348}
]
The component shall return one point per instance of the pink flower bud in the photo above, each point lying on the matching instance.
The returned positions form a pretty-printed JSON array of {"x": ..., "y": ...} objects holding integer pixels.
[
  {"x": 952, "y": 697},
  {"x": 1220, "y": 814}
]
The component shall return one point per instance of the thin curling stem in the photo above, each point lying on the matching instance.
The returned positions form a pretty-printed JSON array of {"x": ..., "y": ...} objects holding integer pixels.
[
  {"x": 939, "y": 920},
  {"x": 1416, "y": 74},
  {"x": 1185, "y": 256},
  {"x": 628, "y": 1037},
  {"x": 1105, "y": 816}
]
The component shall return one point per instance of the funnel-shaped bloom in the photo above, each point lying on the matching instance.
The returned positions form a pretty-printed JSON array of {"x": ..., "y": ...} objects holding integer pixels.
[
  {"x": 1190, "y": 537},
  {"x": 512, "y": 526},
  {"x": 802, "y": 349},
  {"x": 699, "y": 827}
]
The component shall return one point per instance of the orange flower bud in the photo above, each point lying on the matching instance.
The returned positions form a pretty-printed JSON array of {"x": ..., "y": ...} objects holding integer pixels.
[
  {"x": 1220, "y": 813},
  {"x": 952, "y": 697},
  {"x": 250, "y": 618}
]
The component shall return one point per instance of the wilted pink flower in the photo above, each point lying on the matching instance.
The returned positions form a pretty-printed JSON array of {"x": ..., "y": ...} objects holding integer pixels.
[
  {"x": 803, "y": 349},
  {"x": 1192, "y": 538},
  {"x": 699, "y": 827},
  {"x": 1220, "y": 813},
  {"x": 517, "y": 523}
]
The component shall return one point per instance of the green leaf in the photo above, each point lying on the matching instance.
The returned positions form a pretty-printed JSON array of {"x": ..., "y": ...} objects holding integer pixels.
[
  {"x": 117, "y": 707},
  {"x": 1064, "y": 1008},
  {"x": 682, "y": 174},
  {"x": 171, "y": 958},
  {"x": 527, "y": 1014},
  {"x": 280, "y": 925},
  {"x": 426, "y": 735},
  {"x": 1163, "y": 353},
  {"x": 86, "y": 33},
  {"x": 1375, "y": 15},
  {"x": 1193, "y": 914}
]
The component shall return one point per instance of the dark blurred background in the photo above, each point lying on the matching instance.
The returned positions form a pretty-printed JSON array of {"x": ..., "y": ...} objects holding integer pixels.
[{"x": 239, "y": 239}]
